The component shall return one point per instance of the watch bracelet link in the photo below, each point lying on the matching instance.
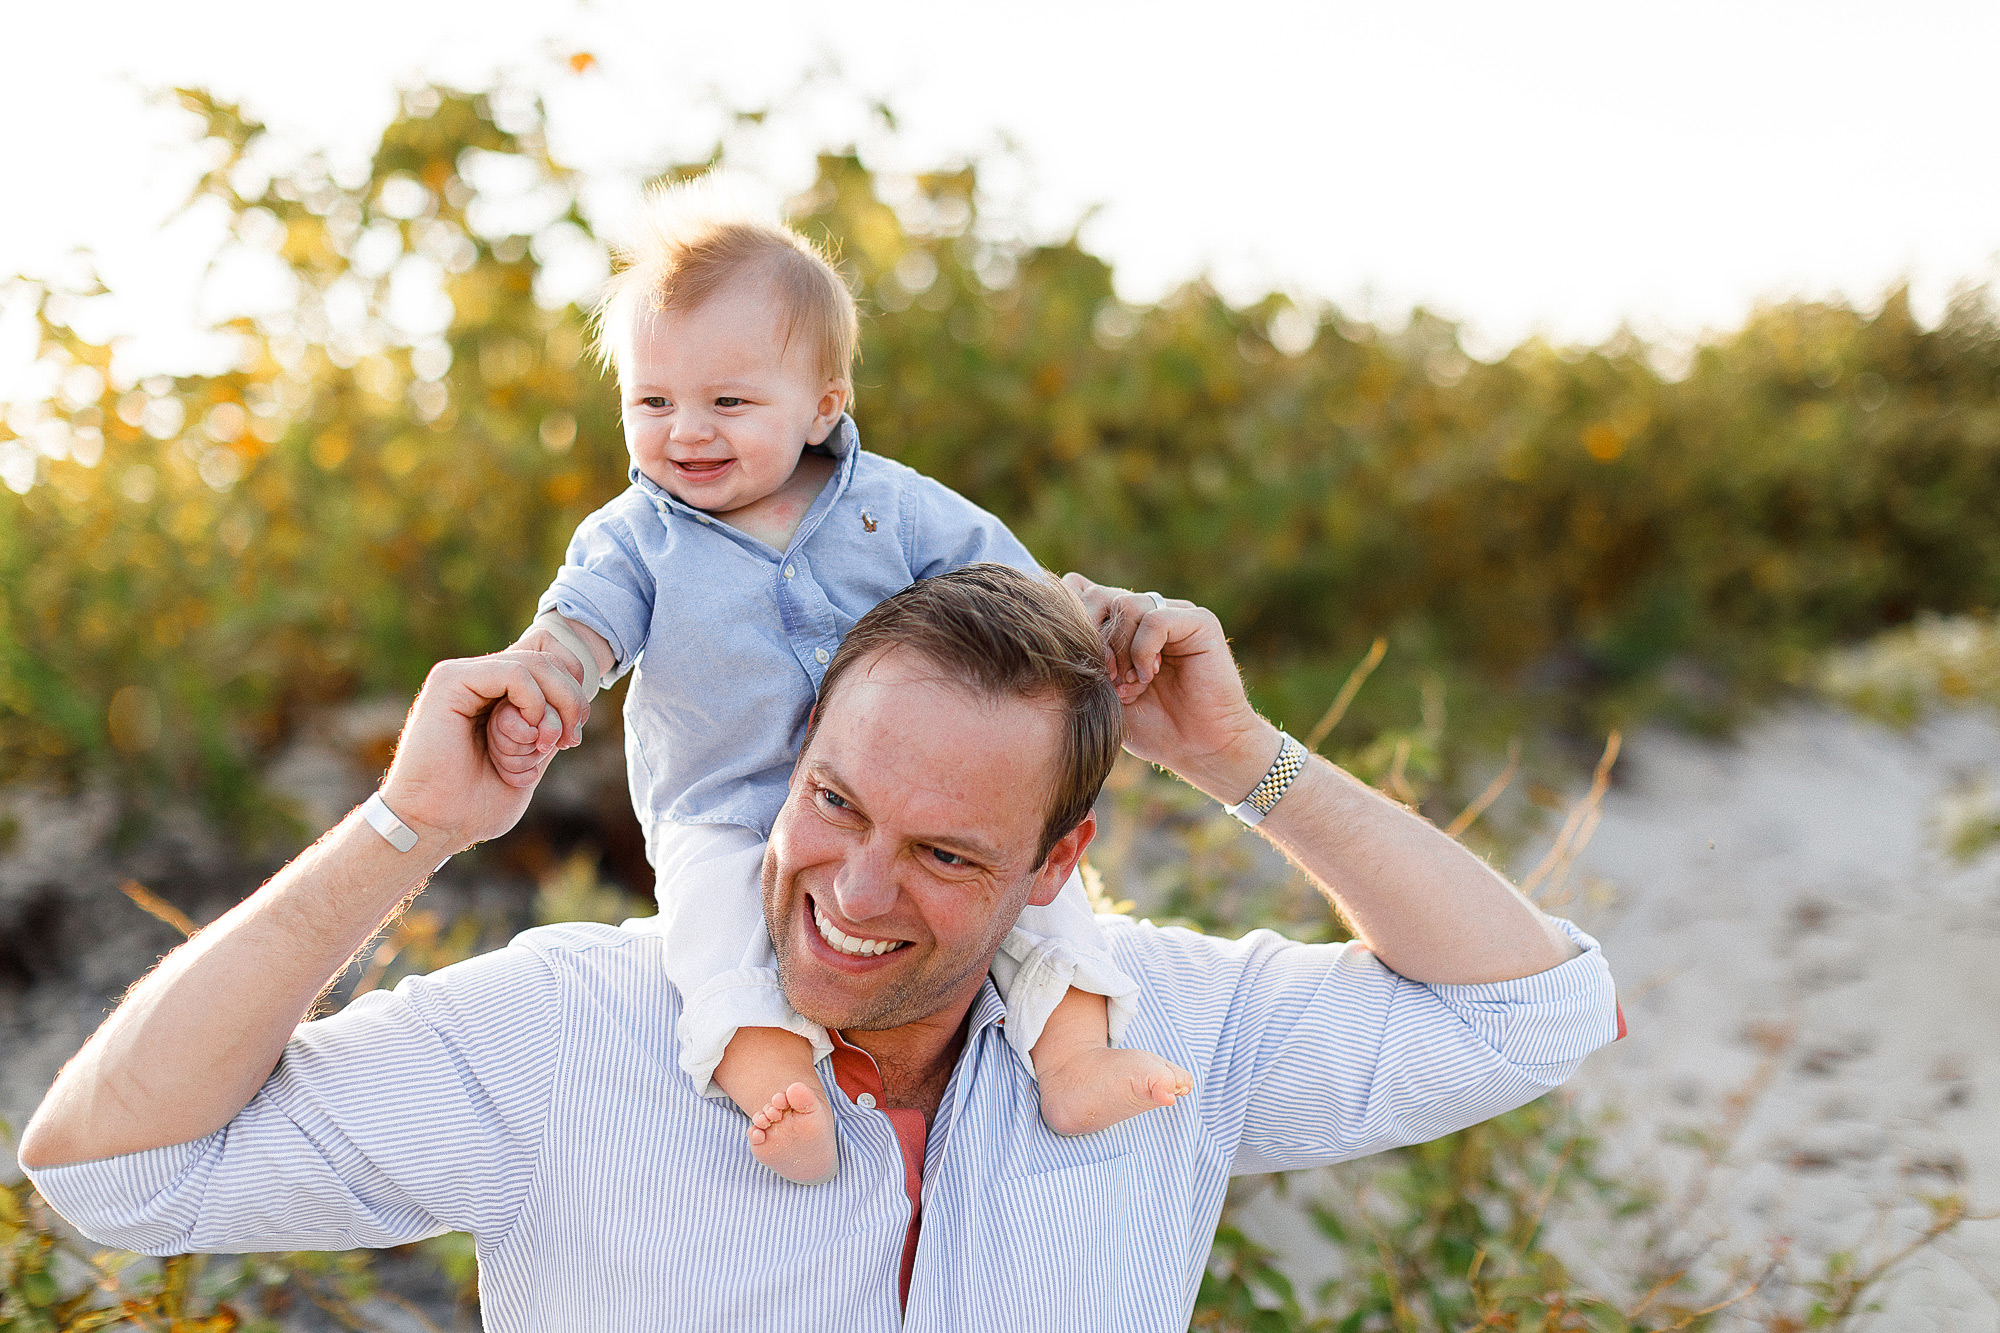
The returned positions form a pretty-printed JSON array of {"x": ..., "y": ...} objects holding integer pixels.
[{"x": 1275, "y": 783}]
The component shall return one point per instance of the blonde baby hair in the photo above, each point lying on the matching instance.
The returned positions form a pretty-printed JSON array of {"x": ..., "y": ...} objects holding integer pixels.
[{"x": 692, "y": 238}]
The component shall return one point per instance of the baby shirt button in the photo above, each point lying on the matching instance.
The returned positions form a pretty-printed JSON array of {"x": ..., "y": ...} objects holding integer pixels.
[
  {"x": 788, "y": 571},
  {"x": 820, "y": 655},
  {"x": 866, "y": 1101}
]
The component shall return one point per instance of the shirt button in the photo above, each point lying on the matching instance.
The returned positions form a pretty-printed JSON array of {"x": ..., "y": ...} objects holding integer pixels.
[
  {"x": 866, "y": 1101},
  {"x": 789, "y": 571},
  {"x": 820, "y": 655}
]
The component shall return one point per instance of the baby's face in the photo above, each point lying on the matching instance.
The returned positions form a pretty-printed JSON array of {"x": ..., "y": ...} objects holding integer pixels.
[{"x": 716, "y": 407}]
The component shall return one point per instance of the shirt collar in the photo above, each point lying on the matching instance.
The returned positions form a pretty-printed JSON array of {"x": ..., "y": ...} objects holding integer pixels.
[{"x": 987, "y": 1009}]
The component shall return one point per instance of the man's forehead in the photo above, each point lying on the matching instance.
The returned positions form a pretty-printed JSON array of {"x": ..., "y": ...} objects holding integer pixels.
[
  {"x": 903, "y": 722},
  {"x": 894, "y": 674}
]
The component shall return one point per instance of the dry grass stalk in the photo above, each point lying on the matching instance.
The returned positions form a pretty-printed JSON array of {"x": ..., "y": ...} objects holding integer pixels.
[
  {"x": 1338, "y": 709},
  {"x": 1482, "y": 802},
  {"x": 1576, "y": 829},
  {"x": 157, "y": 907},
  {"x": 1397, "y": 782}
]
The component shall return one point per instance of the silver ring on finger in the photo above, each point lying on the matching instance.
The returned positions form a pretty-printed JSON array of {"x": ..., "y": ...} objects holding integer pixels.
[{"x": 1159, "y": 602}]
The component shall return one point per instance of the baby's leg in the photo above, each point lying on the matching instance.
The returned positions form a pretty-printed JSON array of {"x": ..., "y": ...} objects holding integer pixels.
[
  {"x": 739, "y": 1037},
  {"x": 1086, "y": 1084},
  {"x": 769, "y": 1073}
]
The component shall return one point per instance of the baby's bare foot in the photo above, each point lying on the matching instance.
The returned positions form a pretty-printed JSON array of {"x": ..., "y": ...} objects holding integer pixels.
[
  {"x": 1097, "y": 1088},
  {"x": 794, "y": 1136}
]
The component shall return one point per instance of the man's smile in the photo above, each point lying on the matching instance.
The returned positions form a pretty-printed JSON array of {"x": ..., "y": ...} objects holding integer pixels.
[{"x": 853, "y": 946}]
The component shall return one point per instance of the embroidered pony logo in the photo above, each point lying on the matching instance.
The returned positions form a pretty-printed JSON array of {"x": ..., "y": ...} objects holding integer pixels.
[{"x": 867, "y": 520}]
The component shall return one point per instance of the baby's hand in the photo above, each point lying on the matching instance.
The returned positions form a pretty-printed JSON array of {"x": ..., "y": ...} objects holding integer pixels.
[
  {"x": 1132, "y": 647},
  {"x": 518, "y": 748}
]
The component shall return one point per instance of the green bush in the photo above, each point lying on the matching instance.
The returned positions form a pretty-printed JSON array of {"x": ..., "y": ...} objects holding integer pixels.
[{"x": 198, "y": 560}]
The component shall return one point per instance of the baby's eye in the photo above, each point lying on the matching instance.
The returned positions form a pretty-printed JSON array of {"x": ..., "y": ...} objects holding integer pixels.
[
  {"x": 728, "y": 402},
  {"x": 653, "y": 401}
]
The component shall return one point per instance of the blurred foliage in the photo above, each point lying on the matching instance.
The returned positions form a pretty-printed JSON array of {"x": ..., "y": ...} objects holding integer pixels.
[
  {"x": 389, "y": 471},
  {"x": 189, "y": 563},
  {"x": 1901, "y": 674}
]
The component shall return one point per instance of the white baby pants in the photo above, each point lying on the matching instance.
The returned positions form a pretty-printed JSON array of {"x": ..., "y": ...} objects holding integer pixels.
[{"x": 708, "y": 879}]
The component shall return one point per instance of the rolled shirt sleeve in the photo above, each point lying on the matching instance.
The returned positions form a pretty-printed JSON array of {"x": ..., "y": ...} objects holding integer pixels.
[
  {"x": 1312, "y": 1054},
  {"x": 605, "y": 582},
  {"x": 401, "y": 1117}
]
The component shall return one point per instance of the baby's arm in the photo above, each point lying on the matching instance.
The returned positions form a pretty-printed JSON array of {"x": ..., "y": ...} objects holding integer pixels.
[
  {"x": 519, "y": 748},
  {"x": 594, "y": 621}
]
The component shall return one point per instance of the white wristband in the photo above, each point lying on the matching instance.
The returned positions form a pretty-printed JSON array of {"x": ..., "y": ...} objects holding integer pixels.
[{"x": 383, "y": 820}]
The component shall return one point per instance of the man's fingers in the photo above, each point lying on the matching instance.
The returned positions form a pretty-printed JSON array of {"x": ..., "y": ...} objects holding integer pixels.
[
  {"x": 1135, "y": 630},
  {"x": 546, "y": 695},
  {"x": 1149, "y": 639}
]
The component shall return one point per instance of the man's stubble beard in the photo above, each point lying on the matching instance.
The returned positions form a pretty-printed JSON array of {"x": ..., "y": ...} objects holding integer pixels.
[{"x": 893, "y": 996}]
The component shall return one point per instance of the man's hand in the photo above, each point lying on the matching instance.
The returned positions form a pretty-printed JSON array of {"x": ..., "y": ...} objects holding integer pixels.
[
  {"x": 192, "y": 1043},
  {"x": 1185, "y": 708},
  {"x": 520, "y": 748},
  {"x": 1427, "y": 907},
  {"x": 448, "y": 775}
]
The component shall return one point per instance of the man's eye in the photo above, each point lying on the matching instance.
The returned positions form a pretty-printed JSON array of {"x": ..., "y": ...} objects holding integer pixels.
[
  {"x": 729, "y": 402},
  {"x": 948, "y": 858},
  {"x": 834, "y": 799}
]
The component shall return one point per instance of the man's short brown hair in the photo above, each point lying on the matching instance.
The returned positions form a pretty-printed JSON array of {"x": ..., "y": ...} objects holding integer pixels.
[{"x": 1009, "y": 635}]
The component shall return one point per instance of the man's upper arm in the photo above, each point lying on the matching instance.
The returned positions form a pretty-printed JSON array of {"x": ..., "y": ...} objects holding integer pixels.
[
  {"x": 605, "y": 582},
  {"x": 405, "y": 1115},
  {"x": 1320, "y": 1053}
]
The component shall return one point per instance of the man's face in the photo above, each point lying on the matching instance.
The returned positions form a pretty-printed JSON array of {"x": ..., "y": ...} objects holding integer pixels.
[
  {"x": 906, "y": 847},
  {"x": 716, "y": 405}
]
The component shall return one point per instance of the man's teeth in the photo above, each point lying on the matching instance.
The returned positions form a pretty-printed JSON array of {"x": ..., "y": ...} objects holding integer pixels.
[{"x": 849, "y": 944}]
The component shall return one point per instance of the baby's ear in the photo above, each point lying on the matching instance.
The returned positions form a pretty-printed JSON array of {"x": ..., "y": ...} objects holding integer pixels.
[{"x": 833, "y": 401}]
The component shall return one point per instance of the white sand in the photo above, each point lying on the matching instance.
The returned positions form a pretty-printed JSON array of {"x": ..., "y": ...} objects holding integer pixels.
[{"x": 1792, "y": 882}]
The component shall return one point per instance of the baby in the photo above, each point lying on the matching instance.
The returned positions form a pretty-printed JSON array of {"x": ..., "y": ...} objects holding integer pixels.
[{"x": 755, "y": 533}]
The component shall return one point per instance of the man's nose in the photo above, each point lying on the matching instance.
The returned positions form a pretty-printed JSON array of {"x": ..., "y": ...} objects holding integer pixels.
[{"x": 865, "y": 887}]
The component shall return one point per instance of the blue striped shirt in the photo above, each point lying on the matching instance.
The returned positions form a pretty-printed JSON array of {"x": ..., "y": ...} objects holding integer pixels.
[{"x": 531, "y": 1097}]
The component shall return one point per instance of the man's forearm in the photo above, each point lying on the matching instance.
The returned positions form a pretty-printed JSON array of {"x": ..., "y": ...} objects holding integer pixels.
[
  {"x": 191, "y": 1043},
  {"x": 1427, "y": 907}
]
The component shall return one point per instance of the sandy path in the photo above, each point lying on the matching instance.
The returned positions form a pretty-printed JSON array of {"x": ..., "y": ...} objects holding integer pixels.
[{"x": 1786, "y": 890}]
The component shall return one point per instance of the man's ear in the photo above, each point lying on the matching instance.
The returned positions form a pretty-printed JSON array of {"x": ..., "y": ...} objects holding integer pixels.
[{"x": 1055, "y": 871}]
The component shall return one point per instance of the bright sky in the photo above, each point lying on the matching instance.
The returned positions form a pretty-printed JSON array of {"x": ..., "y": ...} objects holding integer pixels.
[{"x": 1552, "y": 165}]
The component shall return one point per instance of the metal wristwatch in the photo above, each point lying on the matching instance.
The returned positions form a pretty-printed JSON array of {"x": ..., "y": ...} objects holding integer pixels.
[{"x": 1252, "y": 808}]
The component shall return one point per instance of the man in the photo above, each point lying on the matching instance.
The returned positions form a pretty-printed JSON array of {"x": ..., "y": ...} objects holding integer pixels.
[{"x": 530, "y": 1096}]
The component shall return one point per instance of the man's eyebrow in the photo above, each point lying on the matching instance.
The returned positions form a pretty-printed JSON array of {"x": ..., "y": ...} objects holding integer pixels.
[{"x": 958, "y": 844}]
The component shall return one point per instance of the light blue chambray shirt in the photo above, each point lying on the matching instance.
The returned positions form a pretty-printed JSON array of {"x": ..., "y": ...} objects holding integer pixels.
[
  {"x": 532, "y": 1097},
  {"x": 732, "y": 637}
]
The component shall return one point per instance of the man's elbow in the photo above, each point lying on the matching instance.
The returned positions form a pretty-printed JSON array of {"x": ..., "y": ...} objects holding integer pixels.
[{"x": 50, "y": 1140}]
